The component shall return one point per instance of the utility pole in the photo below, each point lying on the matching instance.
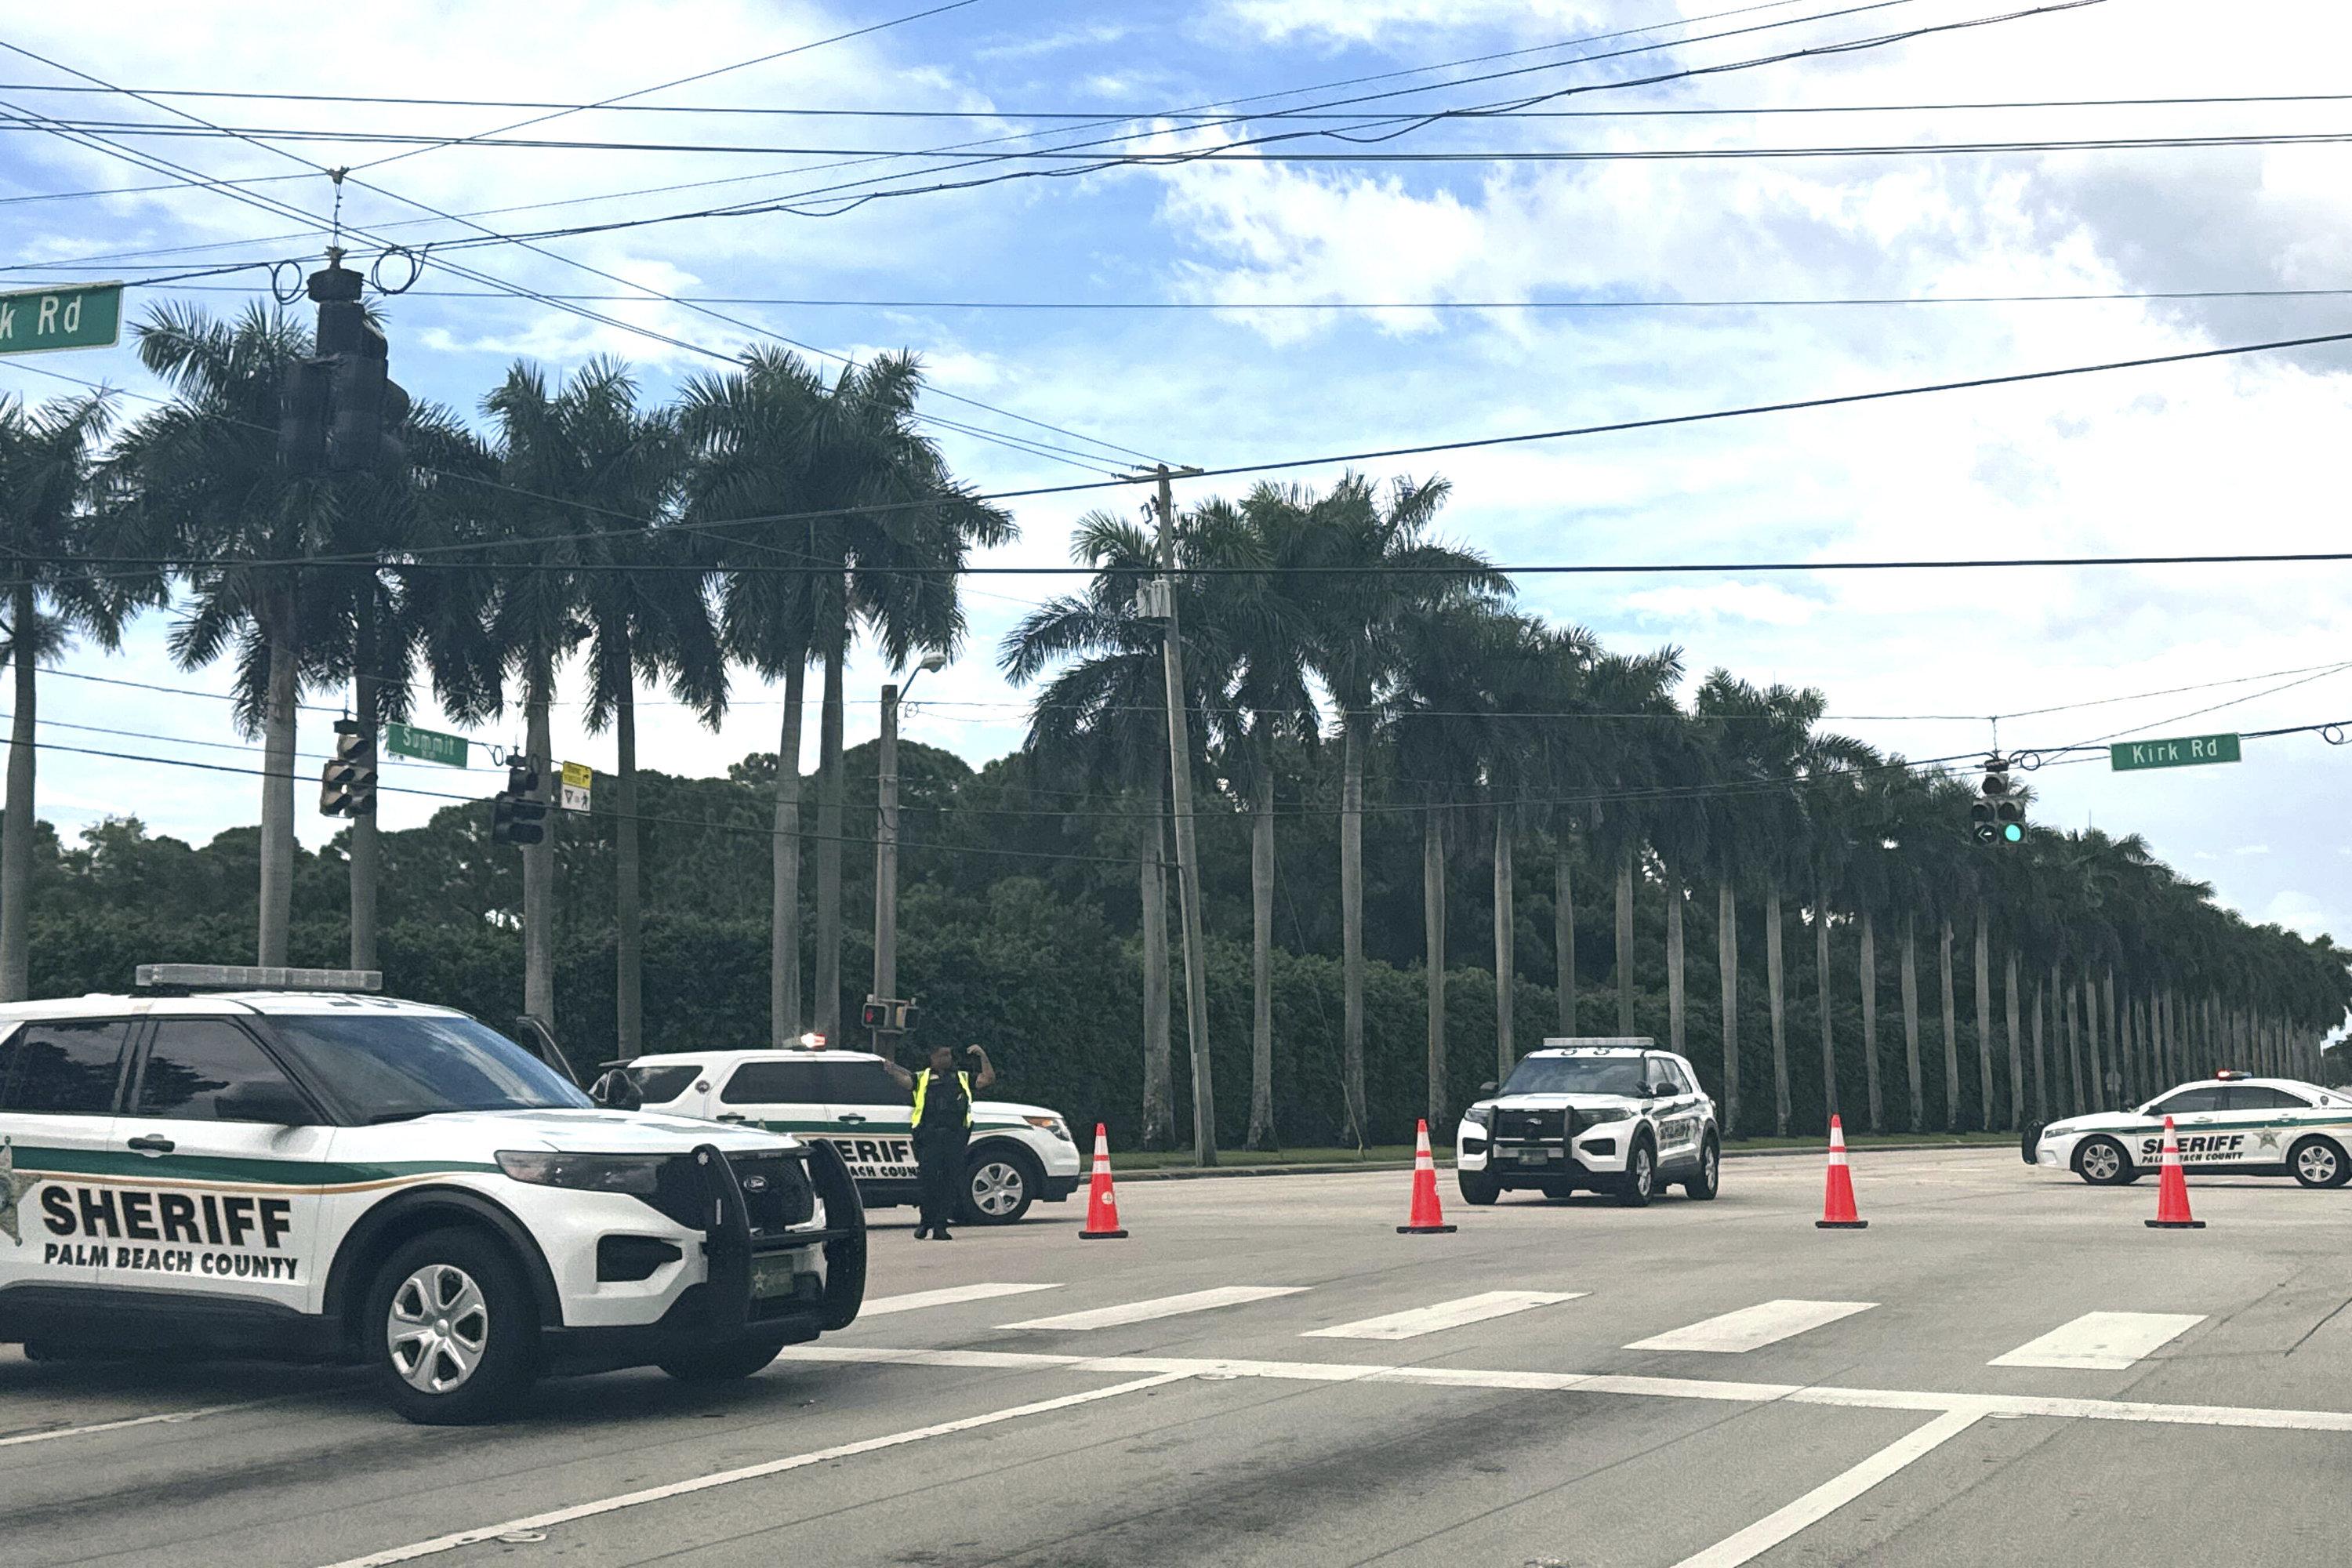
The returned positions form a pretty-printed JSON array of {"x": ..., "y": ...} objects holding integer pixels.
[
  {"x": 886, "y": 852},
  {"x": 1187, "y": 863}
]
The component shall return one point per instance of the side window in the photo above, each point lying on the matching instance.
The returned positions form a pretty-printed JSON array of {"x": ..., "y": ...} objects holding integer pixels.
[
  {"x": 1658, "y": 1071},
  {"x": 864, "y": 1083},
  {"x": 63, "y": 1069},
  {"x": 2258, "y": 1096},
  {"x": 660, "y": 1085},
  {"x": 193, "y": 1061},
  {"x": 2187, "y": 1102},
  {"x": 773, "y": 1083},
  {"x": 1683, "y": 1077}
]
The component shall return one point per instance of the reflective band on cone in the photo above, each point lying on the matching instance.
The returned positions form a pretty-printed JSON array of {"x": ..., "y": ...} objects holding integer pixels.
[
  {"x": 2172, "y": 1189},
  {"x": 1102, "y": 1204},
  {"x": 1837, "y": 1201},
  {"x": 1426, "y": 1220}
]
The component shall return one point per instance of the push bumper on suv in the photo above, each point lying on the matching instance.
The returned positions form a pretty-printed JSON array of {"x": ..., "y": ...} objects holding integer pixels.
[
  {"x": 1529, "y": 1147},
  {"x": 768, "y": 1275}
]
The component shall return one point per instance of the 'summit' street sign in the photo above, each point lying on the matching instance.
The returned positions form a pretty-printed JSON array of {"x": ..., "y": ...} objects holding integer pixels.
[
  {"x": 38, "y": 321},
  {"x": 424, "y": 745},
  {"x": 2188, "y": 751}
]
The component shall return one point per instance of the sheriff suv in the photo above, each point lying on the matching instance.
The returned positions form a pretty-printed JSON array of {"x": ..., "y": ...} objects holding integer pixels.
[
  {"x": 1612, "y": 1115},
  {"x": 1018, "y": 1154},
  {"x": 294, "y": 1169},
  {"x": 2248, "y": 1126}
]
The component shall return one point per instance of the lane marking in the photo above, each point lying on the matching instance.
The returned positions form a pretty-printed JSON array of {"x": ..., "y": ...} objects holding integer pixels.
[
  {"x": 1927, "y": 1401},
  {"x": 1735, "y": 1333},
  {"x": 1831, "y": 1495},
  {"x": 2101, "y": 1341},
  {"x": 553, "y": 1517},
  {"x": 1160, "y": 1307},
  {"x": 169, "y": 1418},
  {"x": 1444, "y": 1315},
  {"x": 914, "y": 1300}
]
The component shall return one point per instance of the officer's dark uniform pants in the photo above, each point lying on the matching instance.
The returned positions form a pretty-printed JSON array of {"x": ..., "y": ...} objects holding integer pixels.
[{"x": 938, "y": 1160}]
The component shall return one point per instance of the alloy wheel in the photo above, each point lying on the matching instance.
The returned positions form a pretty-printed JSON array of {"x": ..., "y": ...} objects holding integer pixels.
[
  {"x": 997, "y": 1188},
  {"x": 439, "y": 1327}
]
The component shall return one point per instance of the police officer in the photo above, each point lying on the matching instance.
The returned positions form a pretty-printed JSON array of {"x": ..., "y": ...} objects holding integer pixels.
[{"x": 942, "y": 1129}]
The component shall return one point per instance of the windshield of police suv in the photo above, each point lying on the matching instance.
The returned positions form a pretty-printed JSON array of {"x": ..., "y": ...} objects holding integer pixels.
[
  {"x": 1576, "y": 1075},
  {"x": 388, "y": 1068}
]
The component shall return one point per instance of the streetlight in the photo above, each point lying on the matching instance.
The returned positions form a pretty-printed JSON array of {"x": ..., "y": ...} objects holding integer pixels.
[{"x": 885, "y": 844}]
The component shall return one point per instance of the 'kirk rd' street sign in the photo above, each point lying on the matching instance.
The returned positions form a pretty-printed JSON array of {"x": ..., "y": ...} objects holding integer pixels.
[
  {"x": 84, "y": 316},
  {"x": 2188, "y": 751}
]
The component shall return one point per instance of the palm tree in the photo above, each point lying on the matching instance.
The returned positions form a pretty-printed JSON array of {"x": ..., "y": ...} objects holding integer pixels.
[
  {"x": 210, "y": 490},
  {"x": 49, "y": 505},
  {"x": 1381, "y": 569}
]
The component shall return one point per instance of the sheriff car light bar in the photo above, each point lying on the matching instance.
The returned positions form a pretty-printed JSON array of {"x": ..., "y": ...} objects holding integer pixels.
[{"x": 254, "y": 977}]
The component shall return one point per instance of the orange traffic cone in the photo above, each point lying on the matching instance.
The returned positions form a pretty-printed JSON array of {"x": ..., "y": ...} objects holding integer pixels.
[
  {"x": 2172, "y": 1189},
  {"x": 1102, "y": 1204},
  {"x": 1837, "y": 1202},
  {"x": 1426, "y": 1218}
]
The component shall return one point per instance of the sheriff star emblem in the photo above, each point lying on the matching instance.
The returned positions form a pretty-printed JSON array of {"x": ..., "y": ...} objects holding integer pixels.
[
  {"x": 2267, "y": 1139},
  {"x": 13, "y": 1188}
]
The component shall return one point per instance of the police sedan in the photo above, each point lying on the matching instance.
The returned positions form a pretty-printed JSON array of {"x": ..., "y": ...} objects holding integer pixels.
[{"x": 2247, "y": 1126}]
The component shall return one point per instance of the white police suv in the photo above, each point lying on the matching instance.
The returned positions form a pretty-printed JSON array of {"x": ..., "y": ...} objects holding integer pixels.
[
  {"x": 1613, "y": 1115},
  {"x": 305, "y": 1172},
  {"x": 2247, "y": 1126},
  {"x": 1019, "y": 1153}
]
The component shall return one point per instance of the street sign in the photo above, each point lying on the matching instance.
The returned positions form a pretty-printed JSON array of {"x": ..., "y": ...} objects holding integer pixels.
[
  {"x": 577, "y": 777},
  {"x": 424, "y": 745},
  {"x": 2127, "y": 756},
  {"x": 83, "y": 316}
]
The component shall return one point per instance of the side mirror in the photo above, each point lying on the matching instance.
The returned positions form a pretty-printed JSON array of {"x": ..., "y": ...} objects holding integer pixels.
[
  {"x": 1486, "y": 1089},
  {"x": 276, "y": 1104},
  {"x": 616, "y": 1090},
  {"x": 1656, "y": 1090}
]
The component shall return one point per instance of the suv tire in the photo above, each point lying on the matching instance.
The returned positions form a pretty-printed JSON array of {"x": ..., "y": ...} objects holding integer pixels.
[
  {"x": 1479, "y": 1188},
  {"x": 1000, "y": 1182},
  {"x": 451, "y": 1329},
  {"x": 1640, "y": 1182},
  {"x": 2318, "y": 1162},
  {"x": 1708, "y": 1178},
  {"x": 722, "y": 1363}
]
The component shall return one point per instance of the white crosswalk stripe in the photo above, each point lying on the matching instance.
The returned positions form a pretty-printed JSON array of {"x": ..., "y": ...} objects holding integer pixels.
[
  {"x": 1160, "y": 1307},
  {"x": 1444, "y": 1315},
  {"x": 914, "y": 1300},
  {"x": 1750, "y": 1327},
  {"x": 2101, "y": 1341}
]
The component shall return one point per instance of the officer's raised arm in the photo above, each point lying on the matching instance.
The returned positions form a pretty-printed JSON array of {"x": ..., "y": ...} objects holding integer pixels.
[
  {"x": 987, "y": 1068},
  {"x": 898, "y": 1074}
]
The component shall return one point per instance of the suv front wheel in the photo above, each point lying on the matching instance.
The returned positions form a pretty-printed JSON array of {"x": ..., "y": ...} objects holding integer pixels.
[
  {"x": 451, "y": 1329},
  {"x": 1640, "y": 1182},
  {"x": 999, "y": 1186}
]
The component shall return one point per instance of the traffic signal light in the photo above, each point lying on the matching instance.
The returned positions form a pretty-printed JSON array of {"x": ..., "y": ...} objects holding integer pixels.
[
  {"x": 1997, "y": 816},
  {"x": 873, "y": 1014},
  {"x": 890, "y": 1016},
  {"x": 347, "y": 784},
  {"x": 302, "y": 418},
  {"x": 339, "y": 411},
  {"x": 515, "y": 816}
]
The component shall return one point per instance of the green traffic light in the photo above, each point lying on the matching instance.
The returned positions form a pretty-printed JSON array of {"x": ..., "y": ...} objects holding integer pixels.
[{"x": 2013, "y": 832}]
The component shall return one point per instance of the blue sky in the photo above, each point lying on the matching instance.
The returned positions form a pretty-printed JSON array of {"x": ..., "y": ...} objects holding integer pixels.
[{"x": 2226, "y": 452}]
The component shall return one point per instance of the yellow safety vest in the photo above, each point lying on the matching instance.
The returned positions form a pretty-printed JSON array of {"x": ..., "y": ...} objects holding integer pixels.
[{"x": 923, "y": 1079}]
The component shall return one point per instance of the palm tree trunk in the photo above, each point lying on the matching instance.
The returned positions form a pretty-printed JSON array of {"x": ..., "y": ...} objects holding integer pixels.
[
  {"x": 1432, "y": 931},
  {"x": 628, "y": 937},
  {"x": 2100, "y": 1098},
  {"x": 278, "y": 786},
  {"x": 1351, "y": 926},
  {"x": 366, "y": 849},
  {"x": 1159, "y": 1092},
  {"x": 1563, "y": 934},
  {"x": 786, "y": 1020},
  {"x": 1625, "y": 944},
  {"x": 1507, "y": 930},
  {"x": 1777, "y": 996},
  {"x": 2012, "y": 1005},
  {"x": 1727, "y": 963},
  {"x": 1674, "y": 1024},
  {"x": 538, "y": 859},
  {"x": 16, "y": 835},
  {"x": 1952, "y": 1035},
  {"x": 1822, "y": 1000},
  {"x": 1984, "y": 1019},
  {"x": 1911, "y": 1022},
  {"x": 2073, "y": 1050},
  {"x": 830, "y": 783},
  {"x": 1870, "y": 1023},
  {"x": 2040, "y": 1062},
  {"x": 1261, "y": 1122},
  {"x": 2116, "y": 1052}
]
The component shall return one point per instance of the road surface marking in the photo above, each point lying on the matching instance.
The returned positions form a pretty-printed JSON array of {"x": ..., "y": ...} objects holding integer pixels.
[
  {"x": 914, "y": 1300},
  {"x": 553, "y": 1517},
  {"x": 2101, "y": 1341},
  {"x": 1831, "y": 1495},
  {"x": 1928, "y": 1401},
  {"x": 170, "y": 1417},
  {"x": 1444, "y": 1315},
  {"x": 1751, "y": 1327},
  {"x": 1160, "y": 1307}
]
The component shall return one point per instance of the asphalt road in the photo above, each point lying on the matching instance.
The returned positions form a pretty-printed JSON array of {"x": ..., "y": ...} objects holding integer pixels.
[{"x": 1845, "y": 1412}]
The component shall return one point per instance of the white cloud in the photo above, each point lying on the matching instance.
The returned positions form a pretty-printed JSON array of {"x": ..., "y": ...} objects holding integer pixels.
[{"x": 1759, "y": 602}]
